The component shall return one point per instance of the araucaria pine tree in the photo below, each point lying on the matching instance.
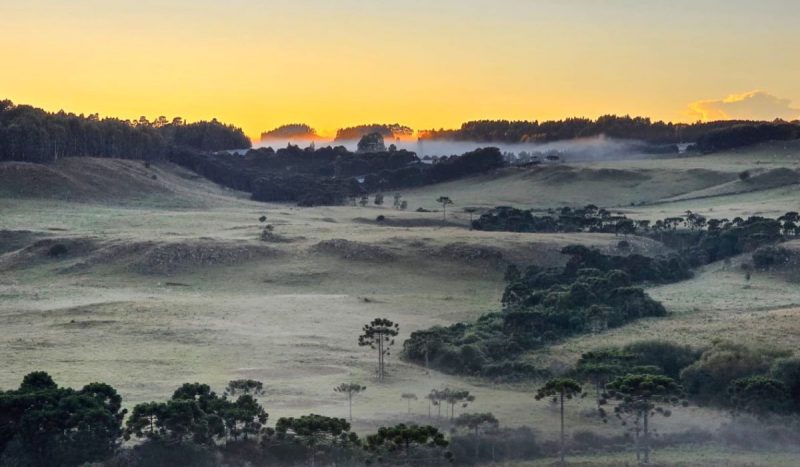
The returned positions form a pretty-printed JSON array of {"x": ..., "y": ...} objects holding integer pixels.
[
  {"x": 644, "y": 396},
  {"x": 350, "y": 389},
  {"x": 560, "y": 389},
  {"x": 379, "y": 335}
]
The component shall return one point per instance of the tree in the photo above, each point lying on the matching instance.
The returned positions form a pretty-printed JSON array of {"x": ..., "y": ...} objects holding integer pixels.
[
  {"x": 314, "y": 430},
  {"x": 408, "y": 396},
  {"x": 403, "y": 439},
  {"x": 444, "y": 201},
  {"x": 197, "y": 414},
  {"x": 379, "y": 335},
  {"x": 363, "y": 201},
  {"x": 350, "y": 389},
  {"x": 244, "y": 386},
  {"x": 244, "y": 416},
  {"x": 403, "y": 205},
  {"x": 476, "y": 421},
  {"x": 434, "y": 400},
  {"x": 644, "y": 395},
  {"x": 42, "y": 424},
  {"x": 371, "y": 142},
  {"x": 397, "y": 200},
  {"x": 452, "y": 397},
  {"x": 471, "y": 211},
  {"x": 598, "y": 367},
  {"x": 560, "y": 389},
  {"x": 379, "y": 199}
]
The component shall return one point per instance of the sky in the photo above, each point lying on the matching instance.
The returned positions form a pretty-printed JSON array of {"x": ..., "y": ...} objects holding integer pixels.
[{"x": 426, "y": 64}]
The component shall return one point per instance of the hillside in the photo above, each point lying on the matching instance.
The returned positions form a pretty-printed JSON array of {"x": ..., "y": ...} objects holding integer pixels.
[
  {"x": 107, "y": 181},
  {"x": 165, "y": 280}
]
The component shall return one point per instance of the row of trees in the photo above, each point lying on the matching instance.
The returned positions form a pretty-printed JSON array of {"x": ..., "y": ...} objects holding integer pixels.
[
  {"x": 31, "y": 134},
  {"x": 700, "y": 240}
]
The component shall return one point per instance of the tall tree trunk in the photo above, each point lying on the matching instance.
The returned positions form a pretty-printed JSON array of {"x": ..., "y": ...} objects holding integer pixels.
[
  {"x": 561, "y": 453},
  {"x": 646, "y": 439},
  {"x": 350, "y": 404},
  {"x": 380, "y": 357}
]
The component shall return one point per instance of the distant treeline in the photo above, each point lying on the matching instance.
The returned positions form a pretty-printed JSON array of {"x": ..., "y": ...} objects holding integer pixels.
[
  {"x": 328, "y": 175},
  {"x": 33, "y": 135},
  {"x": 746, "y": 135},
  {"x": 709, "y": 136}
]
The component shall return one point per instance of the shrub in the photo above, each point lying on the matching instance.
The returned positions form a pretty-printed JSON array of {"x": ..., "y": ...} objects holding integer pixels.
[
  {"x": 57, "y": 250},
  {"x": 707, "y": 380}
]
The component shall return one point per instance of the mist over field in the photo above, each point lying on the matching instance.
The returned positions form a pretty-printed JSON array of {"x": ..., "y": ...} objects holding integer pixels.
[{"x": 598, "y": 148}]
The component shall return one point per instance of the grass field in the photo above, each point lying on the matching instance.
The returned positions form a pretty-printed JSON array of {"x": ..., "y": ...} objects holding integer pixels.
[{"x": 166, "y": 282}]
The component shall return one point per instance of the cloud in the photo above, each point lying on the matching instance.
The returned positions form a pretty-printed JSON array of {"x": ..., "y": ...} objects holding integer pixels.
[{"x": 753, "y": 105}]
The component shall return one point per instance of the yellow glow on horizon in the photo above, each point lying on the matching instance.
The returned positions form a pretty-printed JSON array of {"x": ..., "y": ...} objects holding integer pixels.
[{"x": 262, "y": 64}]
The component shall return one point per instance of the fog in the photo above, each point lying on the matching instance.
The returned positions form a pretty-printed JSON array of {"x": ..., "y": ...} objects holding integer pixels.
[{"x": 598, "y": 148}]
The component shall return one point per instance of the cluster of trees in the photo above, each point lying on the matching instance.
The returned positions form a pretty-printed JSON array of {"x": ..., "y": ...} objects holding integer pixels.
[
  {"x": 290, "y": 131},
  {"x": 391, "y": 130},
  {"x": 445, "y": 169},
  {"x": 709, "y": 135},
  {"x": 31, "y": 134},
  {"x": 328, "y": 175},
  {"x": 47, "y": 425},
  {"x": 592, "y": 292},
  {"x": 700, "y": 240},
  {"x": 587, "y": 219}
]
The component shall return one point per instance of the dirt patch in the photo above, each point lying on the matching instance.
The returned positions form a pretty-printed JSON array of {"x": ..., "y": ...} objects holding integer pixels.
[{"x": 351, "y": 250}]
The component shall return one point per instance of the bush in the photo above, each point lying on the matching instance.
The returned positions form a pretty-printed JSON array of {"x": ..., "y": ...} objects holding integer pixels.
[
  {"x": 707, "y": 380},
  {"x": 57, "y": 250}
]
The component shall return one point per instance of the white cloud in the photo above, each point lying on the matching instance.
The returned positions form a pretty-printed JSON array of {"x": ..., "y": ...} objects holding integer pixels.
[{"x": 753, "y": 105}]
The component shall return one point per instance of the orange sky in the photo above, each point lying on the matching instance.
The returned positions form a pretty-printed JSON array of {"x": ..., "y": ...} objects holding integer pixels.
[{"x": 260, "y": 64}]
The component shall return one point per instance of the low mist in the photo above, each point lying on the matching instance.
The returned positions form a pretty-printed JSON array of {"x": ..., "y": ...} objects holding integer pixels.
[{"x": 598, "y": 148}]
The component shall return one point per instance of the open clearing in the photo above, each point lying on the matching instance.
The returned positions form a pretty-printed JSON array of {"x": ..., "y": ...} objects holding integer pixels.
[{"x": 165, "y": 280}]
